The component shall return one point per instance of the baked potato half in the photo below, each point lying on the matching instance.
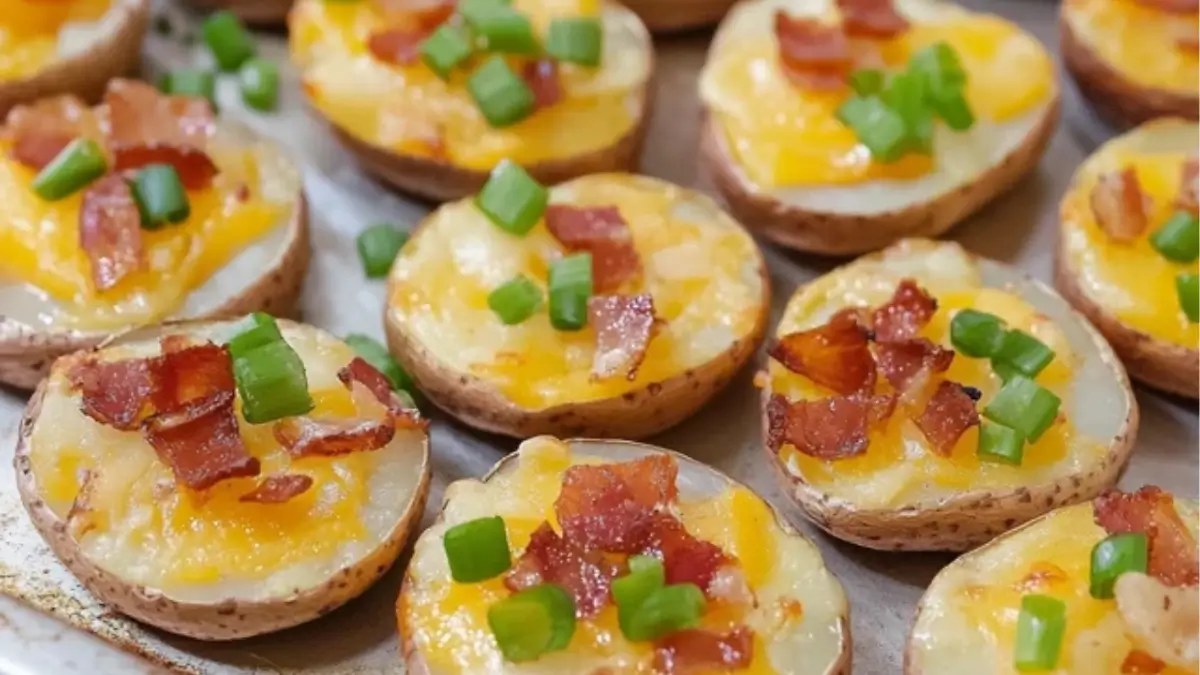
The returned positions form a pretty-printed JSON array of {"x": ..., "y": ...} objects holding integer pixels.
[
  {"x": 789, "y": 90},
  {"x": 579, "y": 106},
  {"x": 1133, "y": 60},
  {"x": 255, "y": 12},
  {"x": 1113, "y": 581},
  {"x": 924, "y": 399},
  {"x": 82, "y": 261},
  {"x": 1127, "y": 249},
  {"x": 137, "y": 465},
  {"x": 760, "y": 598}
]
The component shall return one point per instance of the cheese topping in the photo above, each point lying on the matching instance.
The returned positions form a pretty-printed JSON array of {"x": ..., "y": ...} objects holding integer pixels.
[
  {"x": 409, "y": 110},
  {"x": 1139, "y": 42},
  {"x": 701, "y": 268},
  {"x": 30, "y": 32}
]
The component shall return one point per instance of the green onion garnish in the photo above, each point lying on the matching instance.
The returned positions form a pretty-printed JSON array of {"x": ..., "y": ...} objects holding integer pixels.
[
  {"x": 252, "y": 332},
  {"x": 160, "y": 196},
  {"x": 1115, "y": 556},
  {"x": 506, "y": 31},
  {"x": 976, "y": 334},
  {"x": 512, "y": 199},
  {"x": 272, "y": 383},
  {"x": 228, "y": 40},
  {"x": 533, "y": 622},
  {"x": 646, "y": 575},
  {"x": 907, "y": 95},
  {"x": 190, "y": 82},
  {"x": 665, "y": 610},
  {"x": 378, "y": 246},
  {"x": 1187, "y": 287},
  {"x": 868, "y": 81},
  {"x": 444, "y": 50},
  {"x": 1179, "y": 238},
  {"x": 260, "y": 84},
  {"x": 570, "y": 288},
  {"x": 1025, "y": 406},
  {"x": 576, "y": 40},
  {"x": 1023, "y": 353},
  {"x": 502, "y": 96},
  {"x": 954, "y": 111},
  {"x": 377, "y": 355},
  {"x": 515, "y": 300},
  {"x": 998, "y": 443},
  {"x": 876, "y": 125},
  {"x": 76, "y": 166},
  {"x": 477, "y": 550},
  {"x": 1040, "y": 628}
]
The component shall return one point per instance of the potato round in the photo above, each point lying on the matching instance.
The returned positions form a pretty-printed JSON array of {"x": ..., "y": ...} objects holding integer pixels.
[
  {"x": 1150, "y": 356},
  {"x": 234, "y": 604},
  {"x": 820, "y": 644},
  {"x": 257, "y": 12},
  {"x": 895, "y": 506}
]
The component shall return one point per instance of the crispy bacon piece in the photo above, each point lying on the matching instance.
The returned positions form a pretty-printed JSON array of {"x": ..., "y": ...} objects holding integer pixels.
[
  {"x": 947, "y": 415},
  {"x": 41, "y": 130},
  {"x": 603, "y": 506},
  {"x": 190, "y": 372},
  {"x": 1172, "y": 6},
  {"x": 397, "y": 46},
  {"x": 813, "y": 55},
  {"x": 200, "y": 442},
  {"x": 686, "y": 559},
  {"x": 905, "y": 314},
  {"x": 624, "y": 326},
  {"x": 369, "y": 376},
  {"x": 304, "y": 437},
  {"x": 542, "y": 77},
  {"x": 1188, "y": 198},
  {"x": 872, "y": 18},
  {"x": 601, "y": 231},
  {"x": 1119, "y": 205},
  {"x": 146, "y": 127},
  {"x": 1138, "y": 662},
  {"x": 425, "y": 14},
  {"x": 910, "y": 362},
  {"x": 278, "y": 489},
  {"x": 115, "y": 393},
  {"x": 1173, "y": 557},
  {"x": 110, "y": 231},
  {"x": 696, "y": 650},
  {"x": 550, "y": 558},
  {"x": 834, "y": 355},
  {"x": 828, "y": 428}
]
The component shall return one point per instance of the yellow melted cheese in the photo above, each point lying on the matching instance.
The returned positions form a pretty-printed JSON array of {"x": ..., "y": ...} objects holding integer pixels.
[
  {"x": 29, "y": 31},
  {"x": 409, "y": 110},
  {"x": 1139, "y": 42},
  {"x": 700, "y": 268}
]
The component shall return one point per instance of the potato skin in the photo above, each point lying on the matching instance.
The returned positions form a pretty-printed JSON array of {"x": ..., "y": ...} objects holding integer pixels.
[{"x": 255, "y": 12}]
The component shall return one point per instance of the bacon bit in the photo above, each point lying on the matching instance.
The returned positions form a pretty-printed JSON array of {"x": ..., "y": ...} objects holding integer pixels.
[
  {"x": 189, "y": 373},
  {"x": 1119, "y": 205},
  {"x": 542, "y": 77},
  {"x": 200, "y": 442},
  {"x": 397, "y": 46},
  {"x": 947, "y": 416},
  {"x": 369, "y": 376},
  {"x": 835, "y": 427},
  {"x": 426, "y": 14},
  {"x": 601, "y": 231},
  {"x": 551, "y": 558},
  {"x": 1172, "y": 6},
  {"x": 1188, "y": 198},
  {"x": 902, "y": 361},
  {"x": 305, "y": 437},
  {"x": 603, "y": 506},
  {"x": 905, "y": 314},
  {"x": 776, "y": 424},
  {"x": 1173, "y": 557},
  {"x": 114, "y": 393},
  {"x": 1187, "y": 40},
  {"x": 41, "y": 130},
  {"x": 834, "y": 355},
  {"x": 813, "y": 55},
  {"x": 278, "y": 489},
  {"x": 686, "y": 559},
  {"x": 872, "y": 18},
  {"x": 110, "y": 231},
  {"x": 146, "y": 127},
  {"x": 696, "y": 650},
  {"x": 624, "y": 327},
  {"x": 1138, "y": 662}
]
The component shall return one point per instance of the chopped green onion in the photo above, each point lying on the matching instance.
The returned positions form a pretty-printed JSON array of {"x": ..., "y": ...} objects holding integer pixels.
[
  {"x": 868, "y": 81},
  {"x": 506, "y": 31},
  {"x": 878, "y": 127},
  {"x": 1187, "y": 287},
  {"x": 160, "y": 196},
  {"x": 1025, "y": 406},
  {"x": 976, "y": 334},
  {"x": 190, "y": 82},
  {"x": 378, "y": 246},
  {"x": 252, "y": 332},
  {"x": 954, "y": 110},
  {"x": 942, "y": 69},
  {"x": 228, "y": 40},
  {"x": 377, "y": 355},
  {"x": 512, "y": 199},
  {"x": 1023, "y": 353},
  {"x": 1179, "y": 238},
  {"x": 1040, "y": 628},
  {"x": 533, "y": 622},
  {"x": 474, "y": 10},
  {"x": 1115, "y": 556},
  {"x": 77, "y": 165},
  {"x": 446, "y": 49},
  {"x": 998, "y": 443},
  {"x": 646, "y": 575},
  {"x": 477, "y": 550},
  {"x": 576, "y": 40},
  {"x": 260, "y": 84},
  {"x": 502, "y": 96},
  {"x": 515, "y": 300},
  {"x": 272, "y": 383},
  {"x": 666, "y": 610},
  {"x": 906, "y": 95},
  {"x": 570, "y": 288}
]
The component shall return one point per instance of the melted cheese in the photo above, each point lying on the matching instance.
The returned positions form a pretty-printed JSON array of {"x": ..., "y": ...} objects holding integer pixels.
[
  {"x": 782, "y": 135},
  {"x": 798, "y": 601},
  {"x": 1133, "y": 281},
  {"x": 409, "y": 110},
  {"x": 700, "y": 267},
  {"x": 29, "y": 32},
  {"x": 1139, "y": 42}
]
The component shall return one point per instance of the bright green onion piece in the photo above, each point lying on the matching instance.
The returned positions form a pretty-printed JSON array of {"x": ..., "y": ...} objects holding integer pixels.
[
  {"x": 976, "y": 334},
  {"x": 1004, "y": 371},
  {"x": 576, "y": 40},
  {"x": 477, "y": 550},
  {"x": 502, "y": 96},
  {"x": 252, "y": 332},
  {"x": 1187, "y": 287},
  {"x": 228, "y": 40},
  {"x": 377, "y": 355},
  {"x": 878, "y": 127},
  {"x": 666, "y": 610},
  {"x": 499, "y": 26},
  {"x": 1179, "y": 238},
  {"x": 515, "y": 300},
  {"x": 1024, "y": 405},
  {"x": 160, "y": 196},
  {"x": 570, "y": 288},
  {"x": 512, "y": 199},
  {"x": 1115, "y": 556},
  {"x": 272, "y": 383},
  {"x": 1040, "y": 628},
  {"x": 260, "y": 84},
  {"x": 868, "y": 81},
  {"x": 446, "y": 49},
  {"x": 77, "y": 165},
  {"x": 378, "y": 246},
  {"x": 941, "y": 68},
  {"x": 473, "y": 11},
  {"x": 906, "y": 95},
  {"x": 954, "y": 110},
  {"x": 1023, "y": 353},
  {"x": 190, "y": 82},
  {"x": 1000, "y": 444},
  {"x": 646, "y": 575},
  {"x": 533, "y": 622}
]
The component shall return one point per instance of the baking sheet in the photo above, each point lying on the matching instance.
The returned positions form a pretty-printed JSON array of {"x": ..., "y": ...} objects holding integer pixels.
[{"x": 360, "y": 638}]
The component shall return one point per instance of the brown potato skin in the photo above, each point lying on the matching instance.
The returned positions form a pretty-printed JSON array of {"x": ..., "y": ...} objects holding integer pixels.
[
  {"x": 256, "y": 12},
  {"x": 674, "y": 16}
]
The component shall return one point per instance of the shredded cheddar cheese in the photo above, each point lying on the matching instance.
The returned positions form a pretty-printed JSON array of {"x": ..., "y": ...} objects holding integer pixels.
[{"x": 29, "y": 32}]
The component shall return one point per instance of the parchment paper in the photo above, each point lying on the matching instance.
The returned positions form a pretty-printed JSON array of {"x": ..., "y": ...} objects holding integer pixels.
[{"x": 360, "y": 638}]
